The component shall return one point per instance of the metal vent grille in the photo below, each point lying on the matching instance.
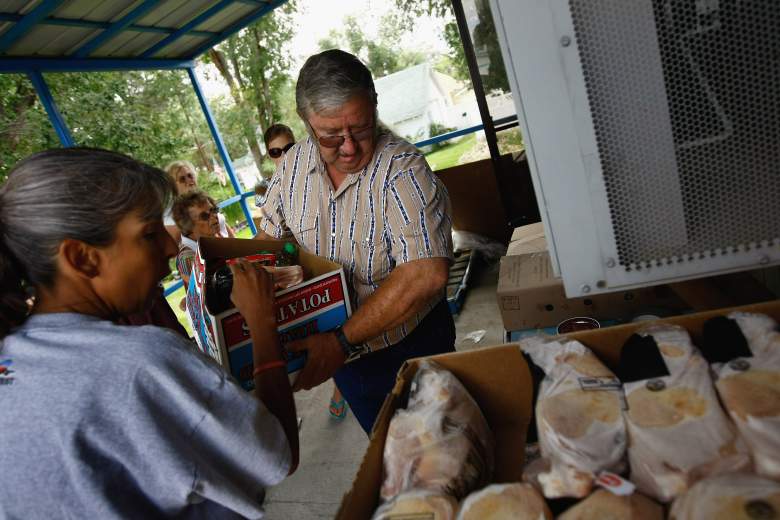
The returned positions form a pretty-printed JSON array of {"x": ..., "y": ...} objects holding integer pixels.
[{"x": 685, "y": 100}]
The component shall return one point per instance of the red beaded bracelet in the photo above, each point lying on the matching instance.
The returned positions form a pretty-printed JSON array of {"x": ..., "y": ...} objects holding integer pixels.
[{"x": 267, "y": 366}]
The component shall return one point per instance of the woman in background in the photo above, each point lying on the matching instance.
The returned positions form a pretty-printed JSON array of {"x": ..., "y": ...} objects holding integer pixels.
[
  {"x": 185, "y": 179},
  {"x": 111, "y": 421},
  {"x": 196, "y": 215}
]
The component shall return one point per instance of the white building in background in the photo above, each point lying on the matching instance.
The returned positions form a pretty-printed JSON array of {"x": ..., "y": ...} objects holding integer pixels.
[{"x": 411, "y": 99}]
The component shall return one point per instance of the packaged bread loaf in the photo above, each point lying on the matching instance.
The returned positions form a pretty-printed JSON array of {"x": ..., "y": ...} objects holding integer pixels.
[
  {"x": 422, "y": 505},
  {"x": 744, "y": 350},
  {"x": 604, "y": 505},
  {"x": 515, "y": 501},
  {"x": 733, "y": 496},
  {"x": 578, "y": 416},
  {"x": 678, "y": 433},
  {"x": 440, "y": 442}
]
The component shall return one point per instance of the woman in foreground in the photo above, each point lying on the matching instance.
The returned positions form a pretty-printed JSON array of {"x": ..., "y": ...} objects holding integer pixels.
[{"x": 110, "y": 421}]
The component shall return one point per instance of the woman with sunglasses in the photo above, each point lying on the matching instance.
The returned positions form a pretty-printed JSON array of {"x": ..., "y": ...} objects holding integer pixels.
[
  {"x": 196, "y": 215},
  {"x": 185, "y": 179},
  {"x": 111, "y": 421},
  {"x": 278, "y": 139}
]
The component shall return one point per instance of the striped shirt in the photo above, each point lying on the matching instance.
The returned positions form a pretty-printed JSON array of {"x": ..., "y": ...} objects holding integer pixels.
[{"x": 393, "y": 211}]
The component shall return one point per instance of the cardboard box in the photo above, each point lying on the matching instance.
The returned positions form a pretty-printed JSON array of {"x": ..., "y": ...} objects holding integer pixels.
[
  {"x": 531, "y": 297},
  {"x": 319, "y": 304},
  {"x": 499, "y": 380}
]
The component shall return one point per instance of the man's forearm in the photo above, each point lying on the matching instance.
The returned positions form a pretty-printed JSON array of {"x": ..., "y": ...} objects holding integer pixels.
[{"x": 408, "y": 289}]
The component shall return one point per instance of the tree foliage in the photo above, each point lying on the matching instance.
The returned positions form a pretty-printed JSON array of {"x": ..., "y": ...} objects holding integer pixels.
[
  {"x": 484, "y": 40},
  {"x": 382, "y": 55}
]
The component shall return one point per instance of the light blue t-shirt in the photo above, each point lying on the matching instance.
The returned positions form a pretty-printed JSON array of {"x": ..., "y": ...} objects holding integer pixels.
[{"x": 106, "y": 421}]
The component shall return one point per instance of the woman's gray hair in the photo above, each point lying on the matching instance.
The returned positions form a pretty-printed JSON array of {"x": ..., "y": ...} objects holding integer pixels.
[
  {"x": 180, "y": 211},
  {"x": 76, "y": 193},
  {"x": 330, "y": 79}
]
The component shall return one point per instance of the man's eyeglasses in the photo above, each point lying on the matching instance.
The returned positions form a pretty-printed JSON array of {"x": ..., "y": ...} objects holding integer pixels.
[
  {"x": 206, "y": 215},
  {"x": 277, "y": 152},
  {"x": 334, "y": 141}
]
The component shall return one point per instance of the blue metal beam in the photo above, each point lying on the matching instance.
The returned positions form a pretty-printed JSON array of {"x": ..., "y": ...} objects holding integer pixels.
[
  {"x": 44, "y": 94},
  {"x": 91, "y": 24},
  {"x": 221, "y": 148},
  {"x": 24, "y": 26},
  {"x": 233, "y": 29},
  {"x": 186, "y": 28},
  {"x": 22, "y": 65},
  {"x": 115, "y": 29}
]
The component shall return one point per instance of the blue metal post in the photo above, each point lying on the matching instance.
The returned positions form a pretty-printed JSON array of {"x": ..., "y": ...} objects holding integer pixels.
[
  {"x": 221, "y": 148},
  {"x": 44, "y": 94}
]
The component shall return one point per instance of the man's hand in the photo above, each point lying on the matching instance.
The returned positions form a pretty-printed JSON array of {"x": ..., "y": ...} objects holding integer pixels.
[{"x": 325, "y": 357}]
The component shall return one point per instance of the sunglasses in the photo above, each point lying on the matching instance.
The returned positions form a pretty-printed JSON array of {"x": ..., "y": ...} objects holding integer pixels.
[
  {"x": 204, "y": 216},
  {"x": 277, "y": 152},
  {"x": 334, "y": 141}
]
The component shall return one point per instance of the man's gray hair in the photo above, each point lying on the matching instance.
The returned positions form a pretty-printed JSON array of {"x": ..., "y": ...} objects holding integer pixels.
[{"x": 330, "y": 79}]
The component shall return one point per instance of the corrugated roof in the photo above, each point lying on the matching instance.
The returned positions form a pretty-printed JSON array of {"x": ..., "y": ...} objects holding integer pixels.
[{"x": 119, "y": 31}]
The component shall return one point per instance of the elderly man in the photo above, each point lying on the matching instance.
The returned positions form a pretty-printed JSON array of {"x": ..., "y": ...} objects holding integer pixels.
[{"x": 360, "y": 196}]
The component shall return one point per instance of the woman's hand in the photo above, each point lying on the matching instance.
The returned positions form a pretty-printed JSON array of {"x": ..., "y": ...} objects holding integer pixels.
[{"x": 253, "y": 293}]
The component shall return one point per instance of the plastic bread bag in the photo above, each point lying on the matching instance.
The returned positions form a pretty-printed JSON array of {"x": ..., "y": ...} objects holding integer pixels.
[
  {"x": 517, "y": 501},
  {"x": 734, "y": 496},
  {"x": 604, "y": 505},
  {"x": 677, "y": 431},
  {"x": 285, "y": 276},
  {"x": 744, "y": 350},
  {"x": 422, "y": 505},
  {"x": 578, "y": 416},
  {"x": 441, "y": 442}
]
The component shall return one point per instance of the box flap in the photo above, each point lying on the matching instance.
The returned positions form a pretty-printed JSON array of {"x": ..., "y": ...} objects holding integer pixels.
[
  {"x": 528, "y": 232},
  {"x": 499, "y": 380},
  {"x": 527, "y": 239}
]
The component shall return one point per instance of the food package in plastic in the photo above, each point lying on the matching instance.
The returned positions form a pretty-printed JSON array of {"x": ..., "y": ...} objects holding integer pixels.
[
  {"x": 745, "y": 351},
  {"x": 440, "y": 442},
  {"x": 285, "y": 276},
  {"x": 515, "y": 501},
  {"x": 678, "y": 433},
  {"x": 578, "y": 417},
  {"x": 423, "y": 505},
  {"x": 604, "y": 505},
  {"x": 734, "y": 496}
]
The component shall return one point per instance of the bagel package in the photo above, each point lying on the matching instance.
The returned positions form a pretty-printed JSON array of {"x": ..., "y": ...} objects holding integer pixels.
[
  {"x": 734, "y": 496},
  {"x": 744, "y": 350},
  {"x": 418, "y": 504},
  {"x": 517, "y": 501},
  {"x": 579, "y": 418},
  {"x": 677, "y": 431},
  {"x": 605, "y": 505},
  {"x": 440, "y": 442}
]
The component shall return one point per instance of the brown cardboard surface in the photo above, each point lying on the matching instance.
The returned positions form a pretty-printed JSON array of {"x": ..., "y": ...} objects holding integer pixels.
[
  {"x": 500, "y": 382},
  {"x": 530, "y": 296},
  {"x": 498, "y": 379}
]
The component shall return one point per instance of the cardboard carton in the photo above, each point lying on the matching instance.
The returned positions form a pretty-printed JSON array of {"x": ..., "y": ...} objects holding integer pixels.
[
  {"x": 531, "y": 297},
  {"x": 319, "y": 304},
  {"x": 499, "y": 380}
]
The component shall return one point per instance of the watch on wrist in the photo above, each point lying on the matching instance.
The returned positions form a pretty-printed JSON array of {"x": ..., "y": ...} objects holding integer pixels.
[{"x": 348, "y": 348}]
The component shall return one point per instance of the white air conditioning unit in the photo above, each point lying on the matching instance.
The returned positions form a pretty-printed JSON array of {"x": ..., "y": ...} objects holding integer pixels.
[{"x": 652, "y": 128}]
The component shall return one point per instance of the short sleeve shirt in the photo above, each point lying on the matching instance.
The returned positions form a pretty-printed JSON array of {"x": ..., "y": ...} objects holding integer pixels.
[
  {"x": 393, "y": 211},
  {"x": 109, "y": 421}
]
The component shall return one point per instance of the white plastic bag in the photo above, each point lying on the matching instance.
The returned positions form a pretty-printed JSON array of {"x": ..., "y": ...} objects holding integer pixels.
[
  {"x": 441, "y": 442},
  {"x": 678, "y": 433},
  {"x": 505, "y": 501},
  {"x": 578, "y": 417},
  {"x": 418, "y": 504},
  {"x": 735, "y": 496}
]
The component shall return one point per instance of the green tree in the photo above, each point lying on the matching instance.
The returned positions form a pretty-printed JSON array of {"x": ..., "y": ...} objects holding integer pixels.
[
  {"x": 255, "y": 65},
  {"x": 382, "y": 55}
]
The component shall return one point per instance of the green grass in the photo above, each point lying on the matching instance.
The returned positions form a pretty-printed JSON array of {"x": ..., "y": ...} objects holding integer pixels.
[
  {"x": 244, "y": 233},
  {"x": 448, "y": 156}
]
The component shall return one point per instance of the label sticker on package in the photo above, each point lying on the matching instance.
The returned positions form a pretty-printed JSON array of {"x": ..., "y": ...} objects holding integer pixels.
[
  {"x": 615, "y": 484},
  {"x": 600, "y": 383}
]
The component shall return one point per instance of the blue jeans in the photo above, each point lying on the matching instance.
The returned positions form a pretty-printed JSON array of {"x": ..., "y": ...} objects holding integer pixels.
[{"x": 365, "y": 382}]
